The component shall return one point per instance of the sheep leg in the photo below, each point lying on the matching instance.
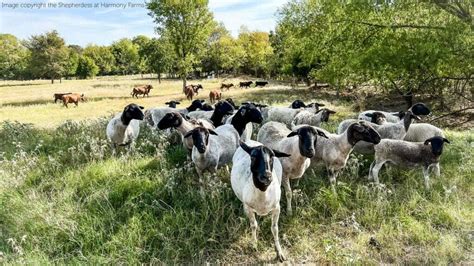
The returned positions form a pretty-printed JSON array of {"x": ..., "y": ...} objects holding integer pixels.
[
  {"x": 253, "y": 224},
  {"x": 288, "y": 194},
  {"x": 426, "y": 176},
  {"x": 375, "y": 171},
  {"x": 436, "y": 169},
  {"x": 113, "y": 146},
  {"x": 371, "y": 177},
  {"x": 275, "y": 217}
]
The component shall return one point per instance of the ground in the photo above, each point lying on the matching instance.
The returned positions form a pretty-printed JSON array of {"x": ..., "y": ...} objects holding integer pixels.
[{"x": 65, "y": 199}]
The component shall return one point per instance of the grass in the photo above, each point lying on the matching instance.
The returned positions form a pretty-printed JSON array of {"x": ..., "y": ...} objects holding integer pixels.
[{"x": 64, "y": 199}]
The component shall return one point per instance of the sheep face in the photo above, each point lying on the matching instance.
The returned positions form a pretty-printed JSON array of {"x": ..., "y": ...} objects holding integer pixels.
[
  {"x": 200, "y": 137},
  {"x": 133, "y": 111},
  {"x": 261, "y": 164},
  {"x": 225, "y": 108},
  {"x": 325, "y": 113},
  {"x": 149, "y": 87},
  {"x": 297, "y": 104},
  {"x": 172, "y": 119},
  {"x": 307, "y": 139},
  {"x": 360, "y": 131},
  {"x": 251, "y": 113},
  {"x": 437, "y": 144},
  {"x": 420, "y": 109},
  {"x": 197, "y": 104},
  {"x": 172, "y": 104},
  {"x": 377, "y": 118}
]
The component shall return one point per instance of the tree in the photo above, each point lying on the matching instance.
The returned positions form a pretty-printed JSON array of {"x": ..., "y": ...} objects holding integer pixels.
[
  {"x": 142, "y": 42},
  {"x": 103, "y": 58},
  {"x": 13, "y": 57},
  {"x": 257, "y": 49},
  {"x": 159, "y": 56},
  {"x": 126, "y": 56},
  {"x": 70, "y": 68},
  {"x": 48, "y": 55},
  {"x": 86, "y": 68},
  {"x": 187, "y": 25}
]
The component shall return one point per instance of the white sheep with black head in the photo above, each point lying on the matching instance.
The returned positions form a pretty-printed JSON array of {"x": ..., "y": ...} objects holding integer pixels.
[
  {"x": 408, "y": 155},
  {"x": 256, "y": 180},
  {"x": 306, "y": 117},
  {"x": 154, "y": 115},
  {"x": 394, "y": 117},
  {"x": 242, "y": 120},
  {"x": 123, "y": 129}
]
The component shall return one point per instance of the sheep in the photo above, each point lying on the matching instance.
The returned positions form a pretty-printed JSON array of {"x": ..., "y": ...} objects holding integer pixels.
[
  {"x": 387, "y": 131},
  {"x": 72, "y": 98},
  {"x": 123, "y": 129},
  {"x": 226, "y": 86},
  {"x": 297, "y": 104},
  {"x": 334, "y": 151},
  {"x": 393, "y": 117},
  {"x": 277, "y": 136},
  {"x": 177, "y": 120},
  {"x": 212, "y": 149},
  {"x": 283, "y": 115},
  {"x": 222, "y": 109},
  {"x": 418, "y": 132},
  {"x": 311, "y": 118},
  {"x": 245, "y": 84},
  {"x": 154, "y": 115},
  {"x": 207, "y": 107},
  {"x": 172, "y": 104},
  {"x": 408, "y": 154},
  {"x": 261, "y": 83},
  {"x": 256, "y": 181},
  {"x": 242, "y": 120},
  {"x": 229, "y": 100},
  {"x": 376, "y": 118}
]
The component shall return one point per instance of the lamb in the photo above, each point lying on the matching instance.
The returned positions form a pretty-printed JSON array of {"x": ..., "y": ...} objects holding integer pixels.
[
  {"x": 256, "y": 179},
  {"x": 311, "y": 118},
  {"x": 145, "y": 90},
  {"x": 277, "y": 136},
  {"x": 177, "y": 120},
  {"x": 417, "y": 109},
  {"x": 123, "y": 129},
  {"x": 408, "y": 154},
  {"x": 242, "y": 120},
  {"x": 387, "y": 131},
  {"x": 212, "y": 149},
  {"x": 334, "y": 151},
  {"x": 154, "y": 115}
]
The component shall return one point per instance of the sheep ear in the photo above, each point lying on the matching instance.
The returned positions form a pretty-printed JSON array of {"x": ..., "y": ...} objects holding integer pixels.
[
  {"x": 189, "y": 133},
  {"x": 203, "y": 101},
  {"x": 446, "y": 140},
  {"x": 331, "y": 111},
  {"x": 212, "y": 132},
  {"x": 187, "y": 117},
  {"x": 369, "y": 115},
  {"x": 141, "y": 107},
  {"x": 293, "y": 133},
  {"x": 245, "y": 147},
  {"x": 427, "y": 141},
  {"x": 280, "y": 154},
  {"x": 320, "y": 110},
  {"x": 177, "y": 102},
  {"x": 322, "y": 134},
  {"x": 167, "y": 102},
  {"x": 320, "y": 104}
]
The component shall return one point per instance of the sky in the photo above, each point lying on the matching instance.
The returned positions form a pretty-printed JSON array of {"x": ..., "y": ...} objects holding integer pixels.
[{"x": 112, "y": 20}]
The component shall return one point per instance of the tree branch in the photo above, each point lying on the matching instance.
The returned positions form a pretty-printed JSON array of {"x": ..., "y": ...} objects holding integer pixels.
[
  {"x": 394, "y": 26},
  {"x": 452, "y": 113}
]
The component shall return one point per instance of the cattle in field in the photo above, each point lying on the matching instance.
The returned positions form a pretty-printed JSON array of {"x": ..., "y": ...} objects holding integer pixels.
[
  {"x": 261, "y": 83},
  {"x": 245, "y": 84},
  {"x": 72, "y": 98},
  {"x": 215, "y": 96},
  {"x": 189, "y": 92},
  {"x": 141, "y": 90},
  {"x": 59, "y": 96},
  {"x": 226, "y": 86}
]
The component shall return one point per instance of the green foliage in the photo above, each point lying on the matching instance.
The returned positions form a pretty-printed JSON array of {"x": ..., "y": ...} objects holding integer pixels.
[
  {"x": 49, "y": 55},
  {"x": 257, "y": 50},
  {"x": 70, "y": 68},
  {"x": 159, "y": 55},
  {"x": 126, "y": 56},
  {"x": 13, "y": 57},
  {"x": 103, "y": 58},
  {"x": 86, "y": 67}
]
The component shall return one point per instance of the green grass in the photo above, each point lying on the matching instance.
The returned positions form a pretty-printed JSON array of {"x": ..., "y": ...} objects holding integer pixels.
[{"x": 64, "y": 199}]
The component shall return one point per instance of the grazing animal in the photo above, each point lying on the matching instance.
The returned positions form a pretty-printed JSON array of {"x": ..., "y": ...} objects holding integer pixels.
[
  {"x": 298, "y": 143},
  {"x": 221, "y": 109},
  {"x": 226, "y": 86},
  {"x": 196, "y": 88},
  {"x": 283, "y": 115},
  {"x": 123, "y": 129},
  {"x": 141, "y": 90},
  {"x": 59, "y": 96},
  {"x": 154, "y": 115},
  {"x": 245, "y": 84},
  {"x": 212, "y": 149},
  {"x": 418, "y": 132},
  {"x": 242, "y": 120},
  {"x": 261, "y": 83},
  {"x": 256, "y": 180},
  {"x": 189, "y": 92},
  {"x": 393, "y": 117},
  {"x": 215, "y": 96},
  {"x": 311, "y": 118},
  {"x": 72, "y": 98},
  {"x": 207, "y": 107},
  {"x": 334, "y": 150},
  {"x": 172, "y": 104},
  {"x": 229, "y": 100},
  {"x": 297, "y": 104},
  {"x": 408, "y": 154}
]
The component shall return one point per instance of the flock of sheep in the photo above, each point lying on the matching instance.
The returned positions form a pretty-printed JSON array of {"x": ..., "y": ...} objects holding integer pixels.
[{"x": 289, "y": 140}]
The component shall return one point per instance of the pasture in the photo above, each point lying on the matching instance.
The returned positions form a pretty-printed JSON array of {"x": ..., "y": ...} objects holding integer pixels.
[{"x": 65, "y": 199}]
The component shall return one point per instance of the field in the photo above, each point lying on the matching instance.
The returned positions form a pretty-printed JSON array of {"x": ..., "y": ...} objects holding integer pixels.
[{"x": 64, "y": 199}]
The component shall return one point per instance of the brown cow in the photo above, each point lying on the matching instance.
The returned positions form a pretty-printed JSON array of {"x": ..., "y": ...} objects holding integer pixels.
[
  {"x": 226, "y": 86},
  {"x": 72, "y": 98},
  {"x": 145, "y": 90},
  {"x": 189, "y": 92},
  {"x": 215, "y": 96},
  {"x": 59, "y": 96}
]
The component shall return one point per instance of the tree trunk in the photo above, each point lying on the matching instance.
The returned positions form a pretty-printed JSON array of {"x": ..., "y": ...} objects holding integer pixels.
[
  {"x": 52, "y": 80},
  {"x": 159, "y": 78},
  {"x": 408, "y": 97},
  {"x": 60, "y": 80},
  {"x": 184, "y": 82}
]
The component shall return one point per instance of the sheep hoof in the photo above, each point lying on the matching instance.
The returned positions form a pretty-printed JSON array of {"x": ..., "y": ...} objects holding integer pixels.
[{"x": 281, "y": 257}]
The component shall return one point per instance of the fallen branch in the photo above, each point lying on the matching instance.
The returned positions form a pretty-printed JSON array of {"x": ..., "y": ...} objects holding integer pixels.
[{"x": 452, "y": 113}]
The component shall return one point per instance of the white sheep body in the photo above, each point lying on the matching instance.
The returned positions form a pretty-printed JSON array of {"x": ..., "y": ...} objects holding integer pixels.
[
  {"x": 283, "y": 115},
  {"x": 120, "y": 134},
  {"x": 306, "y": 117},
  {"x": 389, "y": 116},
  {"x": 419, "y": 132}
]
